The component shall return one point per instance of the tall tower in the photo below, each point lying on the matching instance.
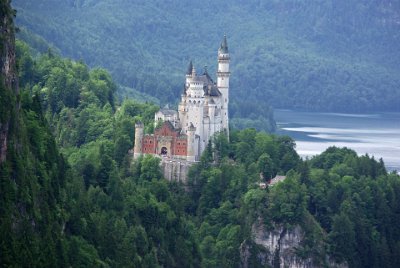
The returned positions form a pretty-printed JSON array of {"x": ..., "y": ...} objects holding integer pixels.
[
  {"x": 191, "y": 143},
  {"x": 223, "y": 82},
  {"x": 137, "y": 149}
]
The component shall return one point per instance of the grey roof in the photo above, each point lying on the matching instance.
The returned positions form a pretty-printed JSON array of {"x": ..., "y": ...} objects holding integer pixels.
[
  {"x": 224, "y": 46},
  {"x": 209, "y": 85},
  {"x": 214, "y": 91},
  {"x": 211, "y": 89},
  {"x": 169, "y": 125},
  {"x": 190, "y": 67},
  {"x": 207, "y": 76},
  {"x": 166, "y": 111}
]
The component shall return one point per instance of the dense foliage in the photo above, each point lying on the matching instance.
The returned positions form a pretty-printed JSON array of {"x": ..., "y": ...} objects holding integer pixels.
[
  {"x": 356, "y": 202},
  {"x": 315, "y": 55},
  {"x": 347, "y": 205},
  {"x": 32, "y": 172}
]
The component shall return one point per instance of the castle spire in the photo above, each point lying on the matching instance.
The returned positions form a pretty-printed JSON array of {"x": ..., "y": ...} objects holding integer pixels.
[
  {"x": 193, "y": 72},
  {"x": 190, "y": 67},
  {"x": 205, "y": 70},
  {"x": 224, "y": 46}
]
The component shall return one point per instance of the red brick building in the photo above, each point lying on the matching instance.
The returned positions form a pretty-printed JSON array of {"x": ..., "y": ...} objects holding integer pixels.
[{"x": 166, "y": 141}]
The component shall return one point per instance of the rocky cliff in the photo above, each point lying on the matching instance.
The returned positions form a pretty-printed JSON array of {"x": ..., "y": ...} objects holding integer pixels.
[
  {"x": 282, "y": 246},
  {"x": 9, "y": 78}
]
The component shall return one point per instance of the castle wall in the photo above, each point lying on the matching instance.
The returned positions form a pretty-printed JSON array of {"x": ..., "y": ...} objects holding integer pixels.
[
  {"x": 149, "y": 144},
  {"x": 181, "y": 146},
  {"x": 175, "y": 169},
  {"x": 195, "y": 115}
]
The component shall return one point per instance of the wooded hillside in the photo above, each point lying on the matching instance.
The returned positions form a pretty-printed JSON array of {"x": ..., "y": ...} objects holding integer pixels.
[{"x": 313, "y": 55}]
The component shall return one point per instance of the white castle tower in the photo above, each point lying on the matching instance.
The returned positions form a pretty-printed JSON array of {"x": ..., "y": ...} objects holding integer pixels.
[{"x": 223, "y": 82}]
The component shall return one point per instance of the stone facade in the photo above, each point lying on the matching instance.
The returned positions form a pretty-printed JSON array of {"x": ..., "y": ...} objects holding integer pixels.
[{"x": 202, "y": 112}]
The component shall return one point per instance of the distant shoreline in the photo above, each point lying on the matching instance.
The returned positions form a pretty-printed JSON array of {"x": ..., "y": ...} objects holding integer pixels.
[{"x": 375, "y": 134}]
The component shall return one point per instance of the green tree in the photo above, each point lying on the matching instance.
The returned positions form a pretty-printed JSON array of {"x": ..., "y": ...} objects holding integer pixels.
[
  {"x": 266, "y": 166},
  {"x": 150, "y": 168},
  {"x": 288, "y": 200}
]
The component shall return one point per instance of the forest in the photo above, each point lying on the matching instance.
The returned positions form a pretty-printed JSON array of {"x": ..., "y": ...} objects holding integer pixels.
[
  {"x": 71, "y": 196},
  {"x": 339, "y": 56}
]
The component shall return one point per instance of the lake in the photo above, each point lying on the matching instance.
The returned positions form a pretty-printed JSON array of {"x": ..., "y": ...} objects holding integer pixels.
[{"x": 377, "y": 134}]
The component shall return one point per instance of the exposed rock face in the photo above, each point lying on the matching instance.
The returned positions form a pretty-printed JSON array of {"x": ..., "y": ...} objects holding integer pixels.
[
  {"x": 9, "y": 77},
  {"x": 278, "y": 248}
]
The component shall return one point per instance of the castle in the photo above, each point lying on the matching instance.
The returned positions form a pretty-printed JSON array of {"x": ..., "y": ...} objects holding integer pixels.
[{"x": 202, "y": 112}]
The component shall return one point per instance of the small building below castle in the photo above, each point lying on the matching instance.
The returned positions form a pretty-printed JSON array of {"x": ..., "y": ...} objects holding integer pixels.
[{"x": 202, "y": 112}]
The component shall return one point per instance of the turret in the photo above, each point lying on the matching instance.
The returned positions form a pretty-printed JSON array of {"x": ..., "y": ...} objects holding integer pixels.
[
  {"x": 211, "y": 109},
  {"x": 189, "y": 69},
  {"x": 193, "y": 72},
  {"x": 213, "y": 120},
  {"x": 223, "y": 82},
  {"x": 191, "y": 143},
  {"x": 137, "y": 149},
  {"x": 190, "y": 74}
]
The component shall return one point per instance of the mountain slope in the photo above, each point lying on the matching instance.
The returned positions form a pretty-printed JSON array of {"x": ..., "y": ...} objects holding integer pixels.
[{"x": 329, "y": 55}]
